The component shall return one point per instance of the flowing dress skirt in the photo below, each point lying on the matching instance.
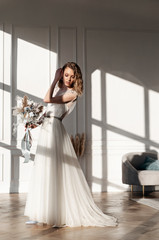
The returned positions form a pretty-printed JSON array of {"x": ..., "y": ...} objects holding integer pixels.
[{"x": 58, "y": 192}]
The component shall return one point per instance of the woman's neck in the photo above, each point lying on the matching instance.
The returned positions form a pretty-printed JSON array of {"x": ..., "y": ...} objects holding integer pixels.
[{"x": 64, "y": 87}]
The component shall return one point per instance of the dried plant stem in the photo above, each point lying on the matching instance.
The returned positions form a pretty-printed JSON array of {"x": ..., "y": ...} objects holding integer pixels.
[
  {"x": 82, "y": 144},
  {"x": 73, "y": 142},
  {"x": 78, "y": 143},
  {"x": 24, "y": 102}
]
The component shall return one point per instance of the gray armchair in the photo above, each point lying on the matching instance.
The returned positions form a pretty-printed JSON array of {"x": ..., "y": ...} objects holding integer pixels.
[{"x": 131, "y": 173}]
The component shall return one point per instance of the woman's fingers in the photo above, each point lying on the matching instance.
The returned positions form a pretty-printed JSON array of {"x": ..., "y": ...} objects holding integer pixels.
[{"x": 32, "y": 125}]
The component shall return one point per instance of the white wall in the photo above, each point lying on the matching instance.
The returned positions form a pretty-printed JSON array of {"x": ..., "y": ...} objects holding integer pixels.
[{"x": 116, "y": 45}]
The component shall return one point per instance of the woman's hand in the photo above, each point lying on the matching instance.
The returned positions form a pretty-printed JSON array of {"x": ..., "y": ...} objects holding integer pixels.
[
  {"x": 32, "y": 125},
  {"x": 58, "y": 74}
]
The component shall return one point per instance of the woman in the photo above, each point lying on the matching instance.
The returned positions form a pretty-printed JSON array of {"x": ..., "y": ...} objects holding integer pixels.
[{"x": 59, "y": 194}]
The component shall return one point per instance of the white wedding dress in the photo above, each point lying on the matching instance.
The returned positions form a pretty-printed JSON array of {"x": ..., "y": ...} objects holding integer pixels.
[{"x": 58, "y": 193}]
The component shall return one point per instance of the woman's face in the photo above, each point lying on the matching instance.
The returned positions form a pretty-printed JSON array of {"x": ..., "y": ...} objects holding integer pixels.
[{"x": 68, "y": 77}]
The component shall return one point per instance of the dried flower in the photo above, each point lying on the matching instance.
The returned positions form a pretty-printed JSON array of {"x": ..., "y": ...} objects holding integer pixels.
[
  {"x": 24, "y": 102},
  {"x": 79, "y": 144},
  {"x": 30, "y": 114},
  {"x": 82, "y": 144}
]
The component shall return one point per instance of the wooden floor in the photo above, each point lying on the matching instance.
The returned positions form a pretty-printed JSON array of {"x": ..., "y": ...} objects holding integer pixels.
[{"x": 136, "y": 221}]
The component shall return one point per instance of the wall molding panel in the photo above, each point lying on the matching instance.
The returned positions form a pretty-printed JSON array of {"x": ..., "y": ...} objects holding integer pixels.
[
  {"x": 122, "y": 58},
  {"x": 5, "y": 106},
  {"x": 120, "y": 72},
  {"x": 67, "y": 52},
  {"x": 28, "y": 64}
]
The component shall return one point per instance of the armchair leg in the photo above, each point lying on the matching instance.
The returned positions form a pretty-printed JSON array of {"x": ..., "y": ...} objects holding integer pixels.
[
  {"x": 131, "y": 188},
  {"x": 143, "y": 190}
]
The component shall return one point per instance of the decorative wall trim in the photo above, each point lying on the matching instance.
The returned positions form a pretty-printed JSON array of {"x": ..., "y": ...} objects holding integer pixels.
[
  {"x": 74, "y": 47},
  {"x": 2, "y": 82},
  {"x": 1, "y": 167},
  {"x": 67, "y": 51}
]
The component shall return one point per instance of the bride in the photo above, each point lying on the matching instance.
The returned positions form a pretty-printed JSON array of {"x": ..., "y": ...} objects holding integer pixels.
[{"x": 58, "y": 193}]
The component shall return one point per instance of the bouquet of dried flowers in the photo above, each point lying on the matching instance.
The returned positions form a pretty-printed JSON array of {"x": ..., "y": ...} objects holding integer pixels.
[{"x": 31, "y": 114}]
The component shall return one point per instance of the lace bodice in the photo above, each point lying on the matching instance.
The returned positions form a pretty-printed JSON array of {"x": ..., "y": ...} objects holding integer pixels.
[{"x": 63, "y": 109}]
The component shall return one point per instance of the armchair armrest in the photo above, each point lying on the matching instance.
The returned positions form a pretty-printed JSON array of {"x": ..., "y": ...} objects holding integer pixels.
[{"x": 129, "y": 174}]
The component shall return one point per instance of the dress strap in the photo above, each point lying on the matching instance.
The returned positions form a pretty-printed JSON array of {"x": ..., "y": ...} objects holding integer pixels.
[{"x": 60, "y": 119}]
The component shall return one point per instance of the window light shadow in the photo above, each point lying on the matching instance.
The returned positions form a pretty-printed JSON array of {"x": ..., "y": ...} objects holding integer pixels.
[
  {"x": 125, "y": 121},
  {"x": 33, "y": 62}
]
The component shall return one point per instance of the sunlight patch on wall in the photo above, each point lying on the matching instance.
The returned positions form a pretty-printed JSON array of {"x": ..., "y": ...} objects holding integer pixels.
[
  {"x": 7, "y": 58},
  {"x": 154, "y": 115},
  {"x": 117, "y": 146},
  {"x": 7, "y": 116},
  {"x": 125, "y": 105},
  {"x": 33, "y": 68},
  {"x": 5, "y": 90},
  {"x": 1, "y": 115},
  {"x": 1, "y": 56},
  {"x": 96, "y": 95},
  {"x": 1, "y": 167},
  {"x": 96, "y": 187},
  {"x": 1, "y": 81},
  {"x": 96, "y": 152},
  {"x": 7, "y": 81},
  {"x": 5, "y": 166}
]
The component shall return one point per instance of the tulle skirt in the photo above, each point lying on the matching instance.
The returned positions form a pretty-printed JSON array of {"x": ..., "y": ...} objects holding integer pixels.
[{"x": 58, "y": 192}]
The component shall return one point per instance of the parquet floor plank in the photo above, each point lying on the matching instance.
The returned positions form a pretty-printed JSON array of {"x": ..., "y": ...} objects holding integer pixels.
[{"x": 136, "y": 221}]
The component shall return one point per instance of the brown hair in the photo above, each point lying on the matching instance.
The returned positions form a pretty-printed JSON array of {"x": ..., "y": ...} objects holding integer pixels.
[{"x": 78, "y": 84}]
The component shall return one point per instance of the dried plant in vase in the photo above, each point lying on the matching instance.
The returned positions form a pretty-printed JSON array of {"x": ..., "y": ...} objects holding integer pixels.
[{"x": 78, "y": 143}]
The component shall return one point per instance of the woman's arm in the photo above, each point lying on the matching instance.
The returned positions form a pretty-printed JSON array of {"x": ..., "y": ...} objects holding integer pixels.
[
  {"x": 62, "y": 99},
  {"x": 58, "y": 99},
  {"x": 58, "y": 76}
]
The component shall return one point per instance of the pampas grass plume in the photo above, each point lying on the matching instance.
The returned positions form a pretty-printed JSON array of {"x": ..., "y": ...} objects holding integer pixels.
[
  {"x": 78, "y": 143},
  {"x": 82, "y": 144},
  {"x": 24, "y": 102}
]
